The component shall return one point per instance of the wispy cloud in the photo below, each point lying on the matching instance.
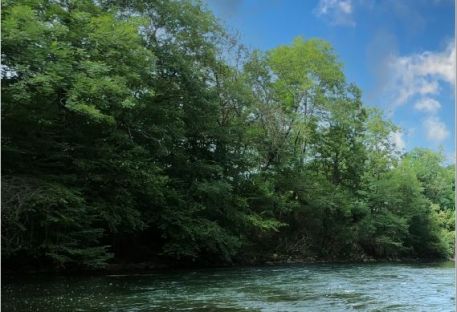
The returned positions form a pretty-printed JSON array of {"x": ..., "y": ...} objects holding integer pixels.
[
  {"x": 436, "y": 130},
  {"x": 428, "y": 105},
  {"x": 421, "y": 74},
  {"x": 420, "y": 78},
  {"x": 336, "y": 12}
]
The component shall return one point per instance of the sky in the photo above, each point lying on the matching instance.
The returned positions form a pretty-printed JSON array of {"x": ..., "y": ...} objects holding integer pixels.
[{"x": 401, "y": 53}]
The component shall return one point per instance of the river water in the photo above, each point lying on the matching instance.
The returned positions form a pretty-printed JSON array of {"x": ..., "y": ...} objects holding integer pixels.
[{"x": 317, "y": 287}]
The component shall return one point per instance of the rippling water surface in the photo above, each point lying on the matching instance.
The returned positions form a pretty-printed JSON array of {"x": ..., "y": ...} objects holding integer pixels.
[{"x": 319, "y": 287}]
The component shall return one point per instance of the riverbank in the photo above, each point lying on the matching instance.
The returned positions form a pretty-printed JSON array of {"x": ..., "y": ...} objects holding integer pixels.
[
  {"x": 145, "y": 266},
  {"x": 162, "y": 266}
]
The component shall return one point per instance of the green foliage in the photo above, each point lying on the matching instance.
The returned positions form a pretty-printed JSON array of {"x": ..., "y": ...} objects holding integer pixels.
[
  {"x": 138, "y": 129},
  {"x": 47, "y": 219}
]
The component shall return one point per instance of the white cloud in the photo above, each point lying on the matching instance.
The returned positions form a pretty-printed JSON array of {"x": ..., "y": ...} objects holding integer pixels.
[
  {"x": 336, "y": 12},
  {"x": 345, "y": 6},
  {"x": 440, "y": 65},
  {"x": 421, "y": 74},
  {"x": 436, "y": 130},
  {"x": 397, "y": 139},
  {"x": 419, "y": 78},
  {"x": 428, "y": 105}
]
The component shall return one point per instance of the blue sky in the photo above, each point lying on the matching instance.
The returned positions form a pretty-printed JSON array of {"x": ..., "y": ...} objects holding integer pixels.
[{"x": 401, "y": 53}]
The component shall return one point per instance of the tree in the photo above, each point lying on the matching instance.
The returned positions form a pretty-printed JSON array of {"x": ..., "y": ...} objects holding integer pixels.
[
  {"x": 141, "y": 130},
  {"x": 74, "y": 77}
]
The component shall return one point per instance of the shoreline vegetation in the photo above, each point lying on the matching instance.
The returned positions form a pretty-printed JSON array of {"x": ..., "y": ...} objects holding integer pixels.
[
  {"x": 152, "y": 267},
  {"x": 142, "y": 133}
]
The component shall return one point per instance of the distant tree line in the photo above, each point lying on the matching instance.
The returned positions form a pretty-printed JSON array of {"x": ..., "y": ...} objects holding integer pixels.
[{"x": 137, "y": 130}]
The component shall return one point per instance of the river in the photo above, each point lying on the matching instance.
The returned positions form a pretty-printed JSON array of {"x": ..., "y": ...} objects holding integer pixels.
[{"x": 316, "y": 287}]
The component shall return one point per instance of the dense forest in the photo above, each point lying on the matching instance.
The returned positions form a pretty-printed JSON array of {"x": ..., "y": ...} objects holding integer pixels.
[{"x": 137, "y": 131}]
